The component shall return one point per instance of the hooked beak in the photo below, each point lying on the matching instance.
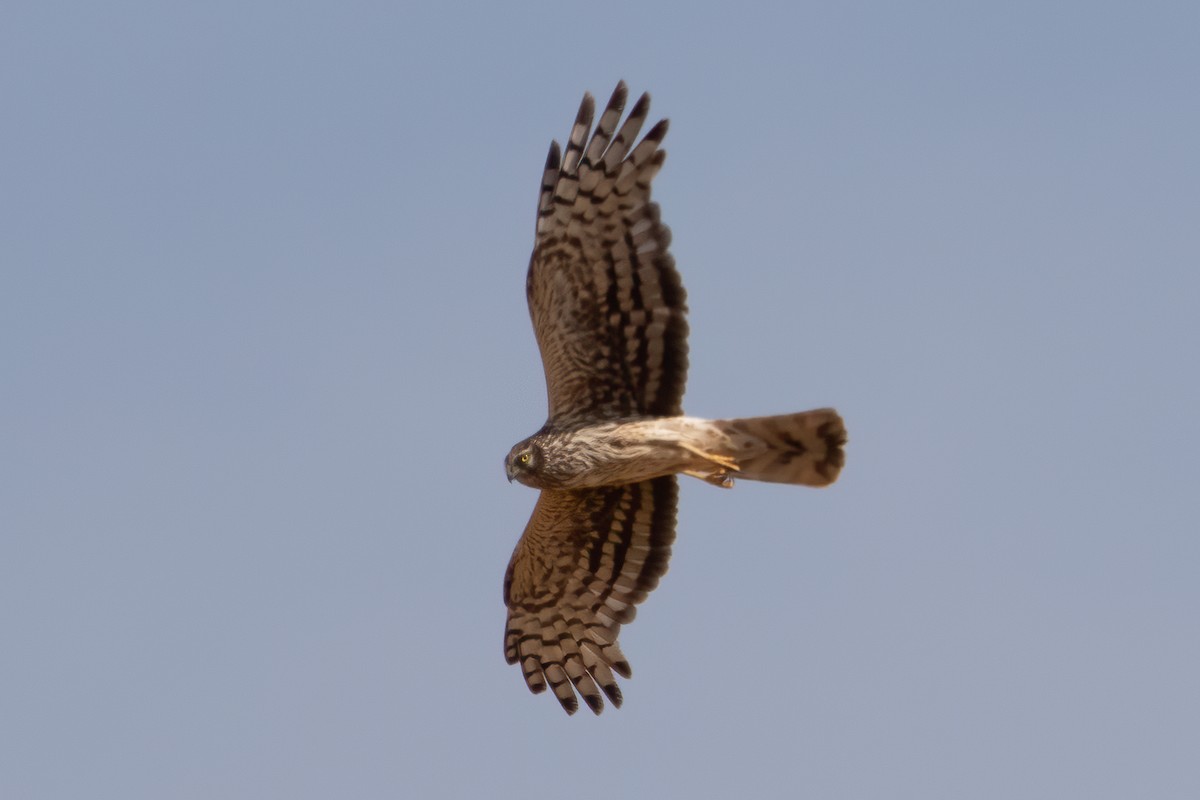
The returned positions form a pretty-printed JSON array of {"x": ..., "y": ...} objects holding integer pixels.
[{"x": 510, "y": 471}]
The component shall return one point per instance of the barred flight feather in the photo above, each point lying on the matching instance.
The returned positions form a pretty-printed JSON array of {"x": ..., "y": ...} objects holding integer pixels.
[
  {"x": 607, "y": 305},
  {"x": 563, "y": 625}
]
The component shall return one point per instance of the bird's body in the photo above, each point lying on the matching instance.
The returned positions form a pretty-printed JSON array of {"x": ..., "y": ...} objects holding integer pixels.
[
  {"x": 610, "y": 316},
  {"x": 802, "y": 448}
]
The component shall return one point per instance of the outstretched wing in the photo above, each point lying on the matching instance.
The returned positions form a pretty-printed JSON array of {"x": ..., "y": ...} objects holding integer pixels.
[
  {"x": 607, "y": 305},
  {"x": 585, "y": 560}
]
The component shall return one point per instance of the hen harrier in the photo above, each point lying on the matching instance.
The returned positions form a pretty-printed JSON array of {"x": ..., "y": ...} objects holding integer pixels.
[{"x": 610, "y": 317}]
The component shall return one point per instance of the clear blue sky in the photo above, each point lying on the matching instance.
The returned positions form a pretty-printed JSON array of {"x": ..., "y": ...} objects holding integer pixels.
[{"x": 264, "y": 345}]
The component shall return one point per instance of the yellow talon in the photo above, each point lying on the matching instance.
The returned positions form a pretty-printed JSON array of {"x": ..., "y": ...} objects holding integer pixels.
[{"x": 725, "y": 462}]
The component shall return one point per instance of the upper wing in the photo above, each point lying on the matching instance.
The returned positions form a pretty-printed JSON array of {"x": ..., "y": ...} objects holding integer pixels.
[
  {"x": 585, "y": 559},
  {"x": 607, "y": 305}
]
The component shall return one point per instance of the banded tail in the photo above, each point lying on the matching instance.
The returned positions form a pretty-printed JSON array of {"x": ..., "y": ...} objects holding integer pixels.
[{"x": 803, "y": 448}]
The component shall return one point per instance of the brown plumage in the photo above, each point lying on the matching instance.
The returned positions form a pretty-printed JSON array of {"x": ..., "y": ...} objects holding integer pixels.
[{"x": 610, "y": 316}]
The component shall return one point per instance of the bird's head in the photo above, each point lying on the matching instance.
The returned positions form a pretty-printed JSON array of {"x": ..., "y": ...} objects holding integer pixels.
[{"x": 524, "y": 463}]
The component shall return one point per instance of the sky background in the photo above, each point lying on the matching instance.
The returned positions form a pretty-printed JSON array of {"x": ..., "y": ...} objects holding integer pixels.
[{"x": 264, "y": 345}]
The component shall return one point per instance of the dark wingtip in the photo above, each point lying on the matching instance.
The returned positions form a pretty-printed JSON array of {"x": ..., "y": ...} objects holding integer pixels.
[
  {"x": 642, "y": 106},
  {"x": 619, "y": 96},
  {"x": 554, "y": 157},
  {"x": 587, "y": 108},
  {"x": 659, "y": 131},
  {"x": 595, "y": 702}
]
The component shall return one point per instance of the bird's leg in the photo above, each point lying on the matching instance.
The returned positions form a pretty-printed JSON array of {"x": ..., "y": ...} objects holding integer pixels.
[
  {"x": 725, "y": 462},
  {"x": 718, "y": 477}
]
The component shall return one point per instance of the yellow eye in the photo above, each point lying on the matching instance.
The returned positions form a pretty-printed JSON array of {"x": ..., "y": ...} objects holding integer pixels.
[{"x": 523, "y": 458}]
